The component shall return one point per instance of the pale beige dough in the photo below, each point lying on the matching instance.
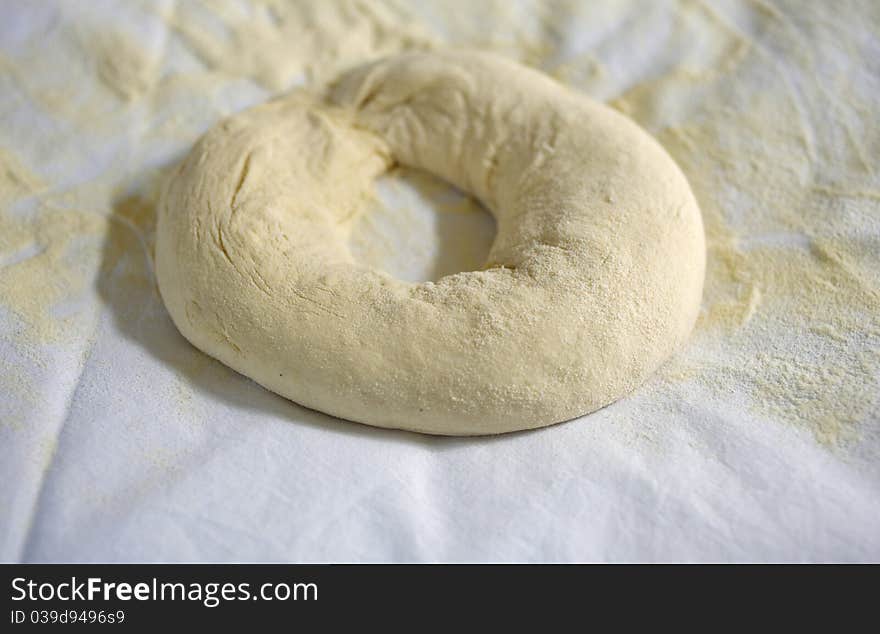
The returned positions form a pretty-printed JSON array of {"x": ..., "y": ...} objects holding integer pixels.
[{"x": 594, "y": 278}]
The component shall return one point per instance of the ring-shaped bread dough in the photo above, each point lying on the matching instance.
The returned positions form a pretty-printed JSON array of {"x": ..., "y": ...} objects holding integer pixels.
[{"x": 594, "y": 278}]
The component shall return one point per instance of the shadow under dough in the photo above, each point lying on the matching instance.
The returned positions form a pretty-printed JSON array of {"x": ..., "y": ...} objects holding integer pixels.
[{"x": 127, "y": 286}]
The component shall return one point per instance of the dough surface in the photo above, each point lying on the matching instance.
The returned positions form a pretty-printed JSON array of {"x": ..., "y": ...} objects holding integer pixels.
[{"x": 593, "y": 280}]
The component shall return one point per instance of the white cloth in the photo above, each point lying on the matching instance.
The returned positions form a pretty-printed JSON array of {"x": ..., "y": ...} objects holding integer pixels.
[{"x": 131, "y": 445}]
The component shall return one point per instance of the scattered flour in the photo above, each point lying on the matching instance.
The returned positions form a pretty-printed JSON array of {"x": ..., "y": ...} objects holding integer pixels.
[
  {"x": 792, "y": 302},
  {"x": 46, "y": 254},
  {"x": 769, "y": 108},
  {"x": 123, "y": 66},
  {"x": 279, "y": 43}
]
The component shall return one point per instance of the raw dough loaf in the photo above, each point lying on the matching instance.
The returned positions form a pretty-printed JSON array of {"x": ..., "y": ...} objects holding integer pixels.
[{"x": 594, "y": 278}]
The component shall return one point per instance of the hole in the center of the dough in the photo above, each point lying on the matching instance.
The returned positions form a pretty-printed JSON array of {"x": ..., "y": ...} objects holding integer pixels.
[{"x": 420, "y": 228}]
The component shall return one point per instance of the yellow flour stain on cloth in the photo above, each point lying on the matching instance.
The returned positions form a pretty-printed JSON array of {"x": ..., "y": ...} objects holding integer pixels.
[
  {"x": 46, "y": 258},
  {"x": 16, "y": 181},
  {"x": 278, "y": 43},
  {"x": 51, "y": 254},
  {"x": 792, "y": 299},
  {"x": 123, "y": 66},
  {"x": 36, "y": 267}
]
